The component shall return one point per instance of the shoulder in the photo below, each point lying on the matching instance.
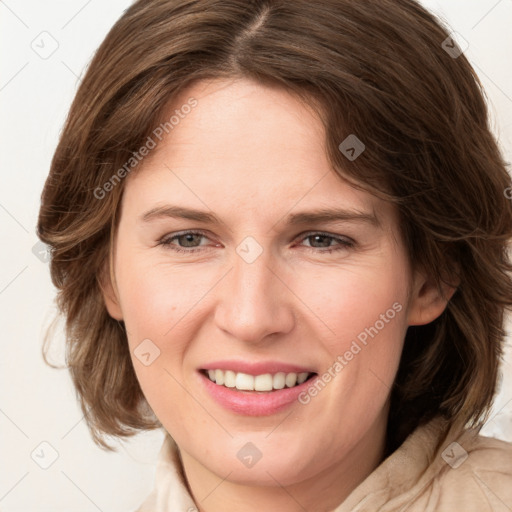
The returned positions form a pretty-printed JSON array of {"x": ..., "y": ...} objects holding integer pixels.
[{"x": 476, "y": 474}]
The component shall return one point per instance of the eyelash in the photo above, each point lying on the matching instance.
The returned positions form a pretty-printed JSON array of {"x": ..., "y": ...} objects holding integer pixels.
[{"x": 344, "y": 243}]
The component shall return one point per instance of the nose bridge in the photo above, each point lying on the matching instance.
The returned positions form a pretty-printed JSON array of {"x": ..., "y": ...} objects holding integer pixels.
[
  {"x": 253, "y": 301},
  {"x": 252, "y": 280}
]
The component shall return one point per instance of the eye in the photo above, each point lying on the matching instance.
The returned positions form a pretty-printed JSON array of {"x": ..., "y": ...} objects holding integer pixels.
[
  {"x": 319, "y": 240},
  {"x": 188, "y": 241}
]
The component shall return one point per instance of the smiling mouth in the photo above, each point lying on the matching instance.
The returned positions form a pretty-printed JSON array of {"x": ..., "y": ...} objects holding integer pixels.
[{"x": 266, "y": 382}]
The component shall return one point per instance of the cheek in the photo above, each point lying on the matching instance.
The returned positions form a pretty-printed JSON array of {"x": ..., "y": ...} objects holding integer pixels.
[
  {"x": 158, "y": 311},
  {"x": 162, "y": 311},
  {"x": 157, "y": 299},
  {"x": 352, "y": 303},
  {"x": 361, "y": 314}
]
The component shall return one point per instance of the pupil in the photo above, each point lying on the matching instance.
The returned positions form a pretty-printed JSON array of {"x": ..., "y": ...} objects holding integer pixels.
[
  {"x": 326, "y": 239},
  {"x": 189, "y": 239}
]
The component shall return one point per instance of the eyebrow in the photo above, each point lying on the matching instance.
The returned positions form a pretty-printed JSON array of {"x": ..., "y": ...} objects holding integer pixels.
[{"x": 305, "y": 217}]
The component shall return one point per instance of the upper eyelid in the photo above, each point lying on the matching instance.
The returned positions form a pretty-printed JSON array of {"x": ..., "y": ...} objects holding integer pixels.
[{"x": 177, "y": 234}]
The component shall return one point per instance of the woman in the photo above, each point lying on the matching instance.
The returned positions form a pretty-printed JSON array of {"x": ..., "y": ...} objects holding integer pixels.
[{"x": 279, "y": 233}]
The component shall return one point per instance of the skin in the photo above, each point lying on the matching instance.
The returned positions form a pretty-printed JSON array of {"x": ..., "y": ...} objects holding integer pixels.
[{"x": 252, "y": 155}]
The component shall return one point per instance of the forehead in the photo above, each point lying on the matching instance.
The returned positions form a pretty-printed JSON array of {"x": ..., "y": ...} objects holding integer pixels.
[
  {"x": 248, "y": 146},
  {"x": 239, "y": 119}
]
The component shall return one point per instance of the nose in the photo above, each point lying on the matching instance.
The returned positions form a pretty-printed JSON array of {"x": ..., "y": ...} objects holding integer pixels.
[{"x": 254, "y": 301}]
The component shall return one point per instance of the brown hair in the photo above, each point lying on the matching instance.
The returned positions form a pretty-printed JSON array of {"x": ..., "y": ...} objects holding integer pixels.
[{"x": 377, "y": 69}]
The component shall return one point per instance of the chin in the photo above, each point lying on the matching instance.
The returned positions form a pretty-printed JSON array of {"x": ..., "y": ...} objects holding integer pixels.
[{"x": 258, "y": 462}]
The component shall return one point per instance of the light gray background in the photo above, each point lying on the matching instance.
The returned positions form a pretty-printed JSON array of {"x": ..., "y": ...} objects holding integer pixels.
[{"x": 37, "y": 403}]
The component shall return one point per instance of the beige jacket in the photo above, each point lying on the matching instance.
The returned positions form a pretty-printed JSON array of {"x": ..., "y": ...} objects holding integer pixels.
[{"x": 433, "y": 471}]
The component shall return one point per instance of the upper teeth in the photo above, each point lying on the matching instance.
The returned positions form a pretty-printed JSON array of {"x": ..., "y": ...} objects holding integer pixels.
[{"x": 265, "y": 382}]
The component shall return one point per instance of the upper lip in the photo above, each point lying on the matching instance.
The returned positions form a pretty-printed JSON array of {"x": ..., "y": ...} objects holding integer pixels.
[{"x": 258, "y": 368}]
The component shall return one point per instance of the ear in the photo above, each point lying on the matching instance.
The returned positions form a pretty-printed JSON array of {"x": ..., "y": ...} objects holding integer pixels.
[
  {"x": 109, "y": 292},
  {"x": 427, "y": 302}
]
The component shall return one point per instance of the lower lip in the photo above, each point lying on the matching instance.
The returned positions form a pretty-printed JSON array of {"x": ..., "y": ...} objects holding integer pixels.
[{"x": 254, "y": 403}]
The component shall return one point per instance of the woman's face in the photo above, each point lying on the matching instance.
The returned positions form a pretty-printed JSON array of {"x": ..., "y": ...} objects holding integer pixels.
[{"x": 265, "y": 291}]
